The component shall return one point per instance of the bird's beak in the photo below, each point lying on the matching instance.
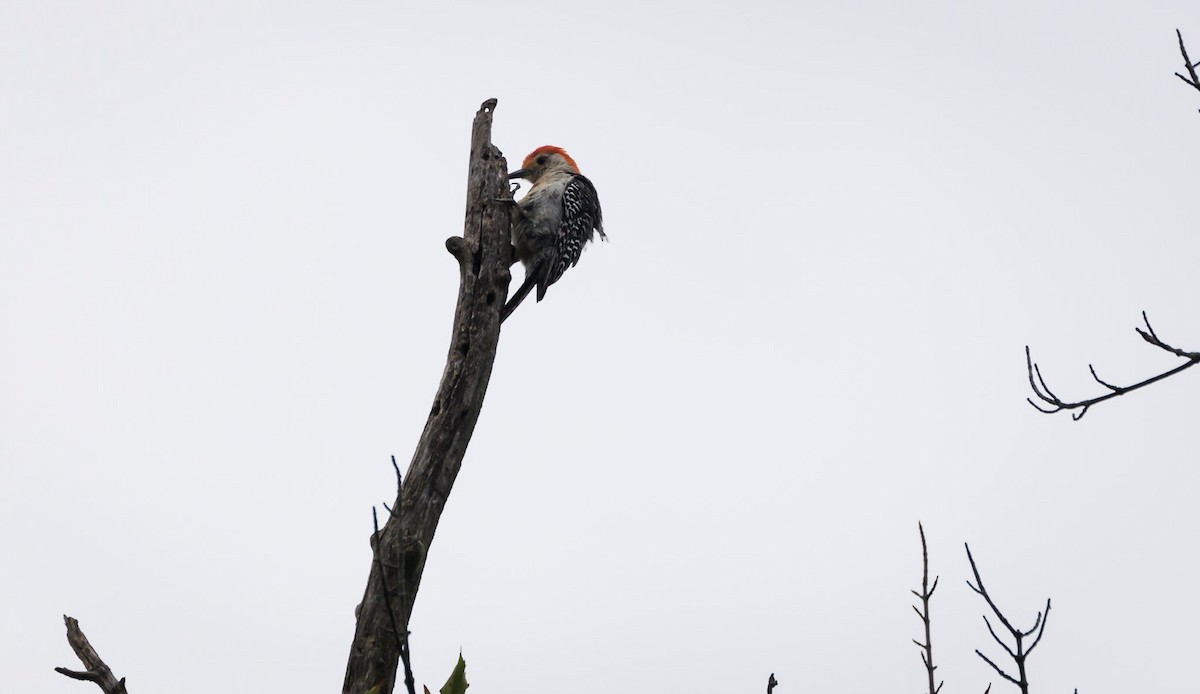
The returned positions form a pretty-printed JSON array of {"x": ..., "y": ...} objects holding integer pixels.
[{"x": 519, "y": 173}]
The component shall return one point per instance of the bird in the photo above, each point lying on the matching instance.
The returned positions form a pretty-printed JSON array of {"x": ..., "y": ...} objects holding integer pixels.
[{"x": 554, "y": 221}]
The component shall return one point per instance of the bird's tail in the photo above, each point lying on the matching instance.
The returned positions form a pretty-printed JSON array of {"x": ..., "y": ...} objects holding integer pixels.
[{"x": 526, "y": 287}]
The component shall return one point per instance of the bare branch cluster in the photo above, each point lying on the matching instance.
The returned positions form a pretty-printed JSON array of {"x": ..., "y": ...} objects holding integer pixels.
[
  {"x": 1019, "y": 652},
  {"x": 401, "y": 633},
  {"x": 1188, "y": 65},
  {"x": 1057, "y": 404}
]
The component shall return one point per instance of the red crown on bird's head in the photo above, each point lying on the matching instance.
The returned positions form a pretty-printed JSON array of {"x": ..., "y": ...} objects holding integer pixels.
[{"x": 548, "y": 149}]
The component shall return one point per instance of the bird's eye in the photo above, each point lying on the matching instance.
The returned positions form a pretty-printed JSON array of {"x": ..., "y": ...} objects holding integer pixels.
[{"x": 541, "y": 160}]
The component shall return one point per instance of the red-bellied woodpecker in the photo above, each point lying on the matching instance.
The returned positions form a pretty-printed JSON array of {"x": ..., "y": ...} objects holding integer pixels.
[{"x": 555, "y": 219}]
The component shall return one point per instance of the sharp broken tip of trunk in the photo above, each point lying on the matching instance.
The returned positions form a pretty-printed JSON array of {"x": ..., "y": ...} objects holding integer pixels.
[{"x": 97, "y": 671}]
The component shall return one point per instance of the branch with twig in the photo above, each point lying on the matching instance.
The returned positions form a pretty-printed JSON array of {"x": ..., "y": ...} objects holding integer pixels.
[
  {"x": 1019, "y": 652},
  {"x": 772, "y": 683},
  {"x": 1188, "y": 65},
  {"x": 924, "y": 596},
  {"x": 1057, "y": 404},
  {"x": 96, "y": 670}
]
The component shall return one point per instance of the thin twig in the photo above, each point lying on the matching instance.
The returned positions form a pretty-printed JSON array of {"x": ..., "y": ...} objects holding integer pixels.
[
  {"x": 1057, "y": 404},
  {"x": 401, "y": 634},
  {"x": 1045, "y": 618},
  {"x": 771, "y": 683},
  {"x": 405, "y": 647},
  {"x": 980, "y": 590},
  {"x": 997, "y": 638},
  {"x": 996, "y": 667},
  {"x": 1188, "y": 64}
]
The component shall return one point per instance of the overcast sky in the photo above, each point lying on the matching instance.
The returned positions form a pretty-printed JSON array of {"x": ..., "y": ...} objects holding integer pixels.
[{"x": 225, "y": 302}]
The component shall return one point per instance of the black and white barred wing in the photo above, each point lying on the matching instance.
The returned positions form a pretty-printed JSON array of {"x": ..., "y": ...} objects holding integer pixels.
[{"x": 581, "y": 215}]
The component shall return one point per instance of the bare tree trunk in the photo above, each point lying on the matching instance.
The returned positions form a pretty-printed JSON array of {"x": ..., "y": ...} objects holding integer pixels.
[
  {"x": 96, "y": 670},
  {"x": 484, "y": 254}
]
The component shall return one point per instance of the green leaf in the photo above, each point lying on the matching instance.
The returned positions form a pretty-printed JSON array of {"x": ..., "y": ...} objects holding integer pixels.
[
  {"x": 373, "y": 690},
  {"x": 457, "y": 684}
]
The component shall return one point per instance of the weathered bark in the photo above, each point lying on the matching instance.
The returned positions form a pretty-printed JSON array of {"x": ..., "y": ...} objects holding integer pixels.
[
  {"x": 96, "y": 670},
  {"x": 483, "y": 253}
]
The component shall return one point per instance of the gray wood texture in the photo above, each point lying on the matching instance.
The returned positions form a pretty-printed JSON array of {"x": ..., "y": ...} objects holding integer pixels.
[{"x": 483, "y": 253}]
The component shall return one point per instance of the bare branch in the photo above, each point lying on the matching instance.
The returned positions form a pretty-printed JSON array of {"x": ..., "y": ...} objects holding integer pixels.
[
  {"x": 1036, "y": 621},
  {"x": 1194, "y": 82},
  {"x": 1043, "y": 392},
  {"x": 1116, "y": 389},
  {"x": 925, "y": 595},
  {"x": 997, "y": 638},
  {"x": 1049, "y": 394},
  {"x": 771, "y": 683},
  {"x": 1187, "y": 81},
  {"x": 996, "y": 667},
  {"x": 1045, "y": 619},
  {"x": 983, "y": 592},
  {"x": 1150, "y": 336},
  {"x": 1017, "y": 653},
  {"x": 96, "y": 671},
  {"x": 1149, "y": 328}
]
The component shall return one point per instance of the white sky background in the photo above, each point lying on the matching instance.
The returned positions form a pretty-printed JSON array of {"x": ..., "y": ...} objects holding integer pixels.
[{"x": 225, "y": 301}]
